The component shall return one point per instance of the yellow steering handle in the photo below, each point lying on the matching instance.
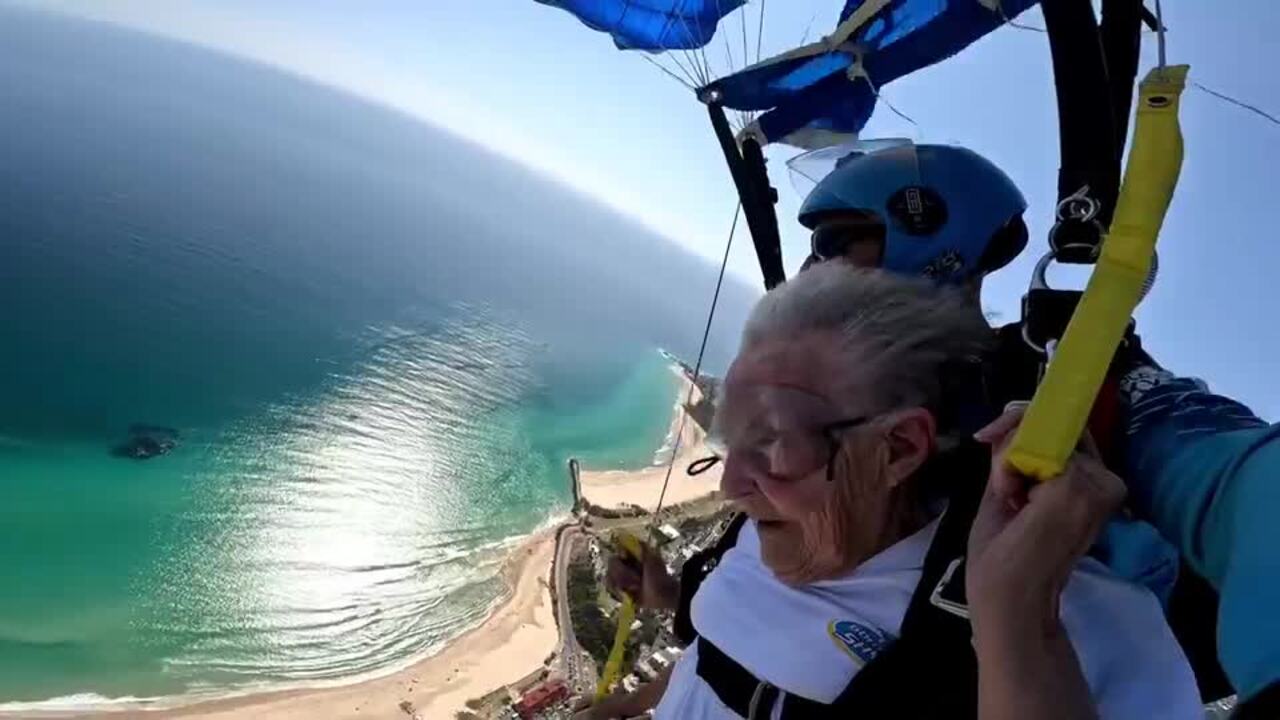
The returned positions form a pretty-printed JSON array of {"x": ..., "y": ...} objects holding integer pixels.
[
  {"x": 1060, "y": 409},
  {"x": 630, "y": 545}
]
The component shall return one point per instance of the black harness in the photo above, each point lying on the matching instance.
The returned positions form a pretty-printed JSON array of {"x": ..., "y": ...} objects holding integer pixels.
[{"x": 930, "y": 671}]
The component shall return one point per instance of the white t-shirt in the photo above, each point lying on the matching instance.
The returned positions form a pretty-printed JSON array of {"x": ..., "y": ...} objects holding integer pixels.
[{"x": 811, "y": 641}]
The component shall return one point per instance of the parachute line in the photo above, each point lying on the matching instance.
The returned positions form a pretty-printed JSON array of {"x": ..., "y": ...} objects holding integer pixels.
[
  {"x": 1160, "y": 33},
  {"x": 759, "y": 30},
  {"x": 898, "y": 112},
  {"x": 740, "y": 116},
  {"x": 697, "y": 367},
  {"x": 691, "y": 56},
  {"x": 668, "y": 72},
  {"x": 881, "y": 98},
  {"x": 808, "y": 28},
  {"x": 1238, "y": 103},
  {"x": 684, "y": 70},
  {"x": 1020, "y": 26},
  {"x": 1014, "y": 23}
]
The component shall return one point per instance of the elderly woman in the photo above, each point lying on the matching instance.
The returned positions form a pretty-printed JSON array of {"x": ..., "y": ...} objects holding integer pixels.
[{"x": 832, "y": 433}]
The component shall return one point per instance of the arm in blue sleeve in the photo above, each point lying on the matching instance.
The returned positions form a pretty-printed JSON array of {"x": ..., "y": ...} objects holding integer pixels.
[{"x": 1206, "y": 472}]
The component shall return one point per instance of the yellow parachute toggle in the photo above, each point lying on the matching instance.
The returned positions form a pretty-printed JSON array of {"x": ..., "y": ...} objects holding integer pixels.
[{"x": 1061, "y": 406}]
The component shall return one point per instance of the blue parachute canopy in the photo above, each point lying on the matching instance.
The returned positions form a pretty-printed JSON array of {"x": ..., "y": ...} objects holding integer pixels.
[
  {"x": 831, "y": 86},
  {"x": 653, "y": 25}
]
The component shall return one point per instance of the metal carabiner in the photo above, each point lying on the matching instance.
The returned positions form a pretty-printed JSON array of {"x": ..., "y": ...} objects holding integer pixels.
[
  {"x": 1079, "y": 206},
  {"x": 1038, "y": 281}
]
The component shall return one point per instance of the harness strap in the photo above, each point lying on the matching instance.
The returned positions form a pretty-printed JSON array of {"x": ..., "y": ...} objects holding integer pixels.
[{"x": 695, "y": 570}]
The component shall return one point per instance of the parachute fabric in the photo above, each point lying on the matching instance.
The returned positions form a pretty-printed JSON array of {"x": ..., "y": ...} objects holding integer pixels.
[
  {"x": 832, "y": 85},
  {"x": 652, "y": 25}
]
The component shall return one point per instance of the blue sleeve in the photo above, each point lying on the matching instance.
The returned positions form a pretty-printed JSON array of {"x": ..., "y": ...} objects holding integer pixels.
[{"x": 1206, "y": 472}]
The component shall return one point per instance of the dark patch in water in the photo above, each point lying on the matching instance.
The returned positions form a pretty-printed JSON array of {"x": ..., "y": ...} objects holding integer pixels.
[{"x": 146, "y": 442}]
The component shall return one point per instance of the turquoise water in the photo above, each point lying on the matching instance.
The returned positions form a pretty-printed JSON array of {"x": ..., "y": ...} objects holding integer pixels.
[{"x": 379, "y": 346}]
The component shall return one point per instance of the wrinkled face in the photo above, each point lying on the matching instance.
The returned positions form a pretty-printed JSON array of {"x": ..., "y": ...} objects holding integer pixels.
[{"x": 803, "y": 459}]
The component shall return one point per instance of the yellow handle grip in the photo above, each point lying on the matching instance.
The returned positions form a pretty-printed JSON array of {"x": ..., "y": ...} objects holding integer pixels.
[
  {"x": 1060, "y": 409},
  {"x": 630, "y": 545},
  {"x": 613, "y": 666}
]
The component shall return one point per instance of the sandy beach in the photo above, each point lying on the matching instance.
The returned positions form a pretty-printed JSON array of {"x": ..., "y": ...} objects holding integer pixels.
[
  {"x": 509, "y": 645},
  {"x": 617, "y": 488}
]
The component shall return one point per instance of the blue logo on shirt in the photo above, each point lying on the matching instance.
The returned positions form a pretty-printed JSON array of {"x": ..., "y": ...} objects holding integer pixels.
[{"x": 862, "y": 642}]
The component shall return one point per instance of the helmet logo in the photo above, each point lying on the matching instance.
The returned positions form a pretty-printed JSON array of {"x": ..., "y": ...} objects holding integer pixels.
[
  {"x": 918, "y": 210},
  {"x": 915, "y": 205}
]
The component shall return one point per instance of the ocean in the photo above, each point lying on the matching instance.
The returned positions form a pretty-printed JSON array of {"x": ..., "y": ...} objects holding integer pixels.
[{"x": 374, "y": 344}]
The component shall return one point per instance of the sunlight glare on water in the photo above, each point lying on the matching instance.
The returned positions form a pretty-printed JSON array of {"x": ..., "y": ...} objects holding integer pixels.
[{"x": 353, "y": 518}]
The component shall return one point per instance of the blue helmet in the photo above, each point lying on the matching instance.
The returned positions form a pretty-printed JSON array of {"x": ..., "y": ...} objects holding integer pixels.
[{"x": 948, "y": 213}]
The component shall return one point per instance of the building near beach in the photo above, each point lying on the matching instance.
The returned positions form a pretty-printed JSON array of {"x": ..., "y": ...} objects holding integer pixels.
[{"x": 542, "y": 697}]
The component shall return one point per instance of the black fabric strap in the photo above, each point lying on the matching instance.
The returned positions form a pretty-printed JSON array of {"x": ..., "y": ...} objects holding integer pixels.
[
  {"x": 1121, "y": 34},
  {"x": 739, "y": 690},
  {"x": 1086, "y": 121},
  {"x": 695, "y": 570},
  {"x": 733, "y": 684}
]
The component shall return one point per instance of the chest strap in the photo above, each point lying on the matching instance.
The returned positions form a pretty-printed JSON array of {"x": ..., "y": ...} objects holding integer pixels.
[{"x": 695, "y": 570}]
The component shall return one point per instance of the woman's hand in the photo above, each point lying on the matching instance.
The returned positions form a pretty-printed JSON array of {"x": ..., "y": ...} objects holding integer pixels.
[
  {"x": 1025, "y": 541},
  {"x": 1027, "y": 537},
  {"x": 603, "y": 710},
  {"x": 623, "y": 704},
  {"x": 645, "y": 579}
]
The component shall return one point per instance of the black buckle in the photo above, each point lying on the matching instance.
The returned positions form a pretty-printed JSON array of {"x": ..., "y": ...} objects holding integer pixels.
[{"x": 1045, "y": 314}]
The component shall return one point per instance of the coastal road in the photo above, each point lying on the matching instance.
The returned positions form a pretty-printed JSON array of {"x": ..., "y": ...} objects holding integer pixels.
[{"x": 579, "y": 671}]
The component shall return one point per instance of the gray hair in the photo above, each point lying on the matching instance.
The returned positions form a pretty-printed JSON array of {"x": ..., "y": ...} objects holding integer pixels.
[{"x": 897, "y": 331}]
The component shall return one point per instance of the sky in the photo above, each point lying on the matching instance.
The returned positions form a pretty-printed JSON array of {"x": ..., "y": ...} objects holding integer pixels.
[{"x": 530, "y": 82}]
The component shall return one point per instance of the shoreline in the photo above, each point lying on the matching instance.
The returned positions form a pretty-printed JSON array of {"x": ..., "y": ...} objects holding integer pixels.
[
  {"x": 508, "y": 645},
  {"x": 619, "y": 489}
]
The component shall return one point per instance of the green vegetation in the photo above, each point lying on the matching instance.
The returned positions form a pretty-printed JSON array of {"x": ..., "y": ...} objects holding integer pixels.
[{"x": 591, "y": 626}]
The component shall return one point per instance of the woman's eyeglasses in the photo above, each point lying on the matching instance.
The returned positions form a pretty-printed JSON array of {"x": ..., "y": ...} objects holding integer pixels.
[{"x": 793, "y": 454}]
